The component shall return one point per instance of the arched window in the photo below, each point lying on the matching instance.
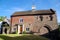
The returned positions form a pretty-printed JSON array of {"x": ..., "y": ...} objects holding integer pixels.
[{"x": 51, "y": 17}]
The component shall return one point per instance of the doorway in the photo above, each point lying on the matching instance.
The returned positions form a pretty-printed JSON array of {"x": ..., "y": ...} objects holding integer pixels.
[
  {"x": 21, "y": 29},
  {"x": 5, "y": 30},
  {"x": 48, "y": 28}
]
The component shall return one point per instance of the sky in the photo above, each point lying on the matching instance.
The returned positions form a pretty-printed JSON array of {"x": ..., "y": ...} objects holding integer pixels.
[{"x": 8, "y": 7}]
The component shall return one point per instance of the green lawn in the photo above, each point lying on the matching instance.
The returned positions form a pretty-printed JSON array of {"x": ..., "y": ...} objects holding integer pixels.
[{"x": 21, "y": 37}]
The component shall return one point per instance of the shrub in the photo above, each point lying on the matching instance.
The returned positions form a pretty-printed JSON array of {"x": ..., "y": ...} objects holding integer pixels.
[
  {"x": 27, "y": 32},
  {"x": 31, "y": 32},
  {"x": 24, "y": 32}
]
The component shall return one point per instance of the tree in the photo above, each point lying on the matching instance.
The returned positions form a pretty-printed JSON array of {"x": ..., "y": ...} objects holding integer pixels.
[
  {"x": 2, "y": 18},
  {"x": 5, "y": 24},
  {"x": 59, "y": 26}
]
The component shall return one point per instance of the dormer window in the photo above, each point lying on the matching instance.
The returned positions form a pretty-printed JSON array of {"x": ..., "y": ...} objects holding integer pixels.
[
  {"x": 51, "y": 17},
  {"x": 41, "y": 17},
  {"x": 21, "y": 19}
]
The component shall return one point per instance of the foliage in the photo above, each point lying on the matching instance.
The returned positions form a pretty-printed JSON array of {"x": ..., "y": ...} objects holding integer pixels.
[
  {"x": 16, "y": 32},
  {"x": 31, "y": 32},
  {"x": 2, "y": 18},
  {"x": 5, "y": 24},
  {"x": 24, "y": 32},
  {"x": 59, "y": 27}
]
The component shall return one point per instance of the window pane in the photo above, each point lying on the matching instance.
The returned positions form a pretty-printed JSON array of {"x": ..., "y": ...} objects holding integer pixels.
[
  {"x": 21, "y": 20},
  {"x": 41, "y": 17},
  {"x": 27, "y": 29},
  {"x": 51, "y": 17}
]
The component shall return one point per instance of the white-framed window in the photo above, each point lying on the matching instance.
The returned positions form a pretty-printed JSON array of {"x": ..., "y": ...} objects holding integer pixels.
[
  {"x": 27, "y": 29},
  {"x": 21, "y": 20}
]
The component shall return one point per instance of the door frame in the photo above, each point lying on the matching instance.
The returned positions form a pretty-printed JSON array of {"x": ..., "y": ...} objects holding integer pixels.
[{"x": 19, "y": 28}]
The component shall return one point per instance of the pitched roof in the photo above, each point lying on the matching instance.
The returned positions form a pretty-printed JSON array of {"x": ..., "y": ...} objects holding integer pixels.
[{"x": 34, "y": 12}]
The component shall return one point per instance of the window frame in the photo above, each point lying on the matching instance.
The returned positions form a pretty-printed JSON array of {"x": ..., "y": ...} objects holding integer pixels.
[
  {"x": 51, "y": 18},
  {"x": 41, "y": 17},
  {"x": 21, "y": 20},
  {"x": 27, "y": 29}
]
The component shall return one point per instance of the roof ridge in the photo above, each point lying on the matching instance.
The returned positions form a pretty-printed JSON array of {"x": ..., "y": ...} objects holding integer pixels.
[{"x": 35, "y": 12}]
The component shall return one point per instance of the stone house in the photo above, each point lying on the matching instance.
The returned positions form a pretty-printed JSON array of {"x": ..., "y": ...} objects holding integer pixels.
[{"x": 36, "y": 21}]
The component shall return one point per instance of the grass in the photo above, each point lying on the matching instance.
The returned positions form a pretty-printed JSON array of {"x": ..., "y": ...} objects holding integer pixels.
[{"x": 21, "y": 37}]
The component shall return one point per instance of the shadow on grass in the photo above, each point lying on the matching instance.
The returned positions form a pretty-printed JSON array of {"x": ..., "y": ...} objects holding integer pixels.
[
  {"x": 53, "y": 35},
  {"x": 31, "y": 37}
]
